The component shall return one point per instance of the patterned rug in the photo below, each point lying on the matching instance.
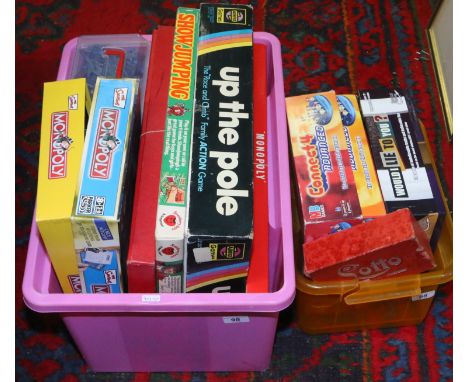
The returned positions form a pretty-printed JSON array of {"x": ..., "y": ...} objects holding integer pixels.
[{"x": 343, "y": 45}]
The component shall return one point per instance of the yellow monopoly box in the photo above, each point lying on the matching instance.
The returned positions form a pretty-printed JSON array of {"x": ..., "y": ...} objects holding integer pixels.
[
  {"x": 365, "y": 176},
  {"x": 62, "y": 137}
]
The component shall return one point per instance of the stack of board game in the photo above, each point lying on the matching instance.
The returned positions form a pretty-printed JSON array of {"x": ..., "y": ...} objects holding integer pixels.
[
  {"x": 84, "y": 247},
  {"x": 354, "y": 170},
  {"x": 85, "y": 184},
  {"x": 202, "y": 151}
]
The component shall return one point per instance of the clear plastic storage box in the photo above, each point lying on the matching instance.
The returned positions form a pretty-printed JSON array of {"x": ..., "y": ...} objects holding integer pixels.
[{"x": 325, "y": 307}]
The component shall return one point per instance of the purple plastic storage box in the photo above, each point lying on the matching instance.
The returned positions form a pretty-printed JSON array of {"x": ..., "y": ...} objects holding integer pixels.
[{"x": 183, "y": 332}]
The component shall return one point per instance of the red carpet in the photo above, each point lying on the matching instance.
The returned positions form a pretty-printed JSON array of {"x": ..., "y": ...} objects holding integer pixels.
[{"x": 343, "y": 45}]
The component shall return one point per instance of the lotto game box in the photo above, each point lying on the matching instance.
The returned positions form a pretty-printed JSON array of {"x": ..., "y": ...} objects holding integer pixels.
[
  {"x": 104, "y": 194},
  {"x": 406, "y": 178},
  {"x": 325, "y": 183},
  {"x": 390, "y": 245},
  {"x": 220, "y": 216},
  {"x": 173, "y": 186},
  {"x": 62, "y": 137}
]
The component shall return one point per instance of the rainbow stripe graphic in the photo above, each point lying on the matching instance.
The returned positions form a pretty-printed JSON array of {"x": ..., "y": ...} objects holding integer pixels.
[
  {"x": 224, "y": 40},
  {"x": 215, "y": 275}
]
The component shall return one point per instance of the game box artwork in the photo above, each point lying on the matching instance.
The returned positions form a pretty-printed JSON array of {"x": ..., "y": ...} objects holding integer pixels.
[
  {"x": 62, "y": 138},
  {"x": 365, "y": 176},
  {"x": 103, "y": 202},
  {"x": 407, "y": 180},
  {"x": 220, "y": 217},
  {"x": 325, "y": 183},
  {"x": 173, "y": 185}
]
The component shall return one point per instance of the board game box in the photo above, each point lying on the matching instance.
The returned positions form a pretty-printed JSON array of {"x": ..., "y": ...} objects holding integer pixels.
[
  {"x": 104, "y": 197},
  {"x": 390, "y": 245},
  {"x": 220, "y": 216},
  {"x": 141, "y": 260},
  {"x": 258, "y": 276},
  {"x": 61, "y": 146},
  {"x": 407, "y": 179},
  {"x": 325, "y": 184},
  {"x": 175, "y": 162},
  {"x": 365, "y": 176}
]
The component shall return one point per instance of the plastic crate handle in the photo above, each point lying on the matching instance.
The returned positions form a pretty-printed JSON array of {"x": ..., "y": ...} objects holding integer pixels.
[{"x": 392, "y": 289}]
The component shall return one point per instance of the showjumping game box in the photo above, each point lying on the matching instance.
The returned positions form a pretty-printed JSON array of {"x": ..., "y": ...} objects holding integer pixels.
[{"x": 173, "y": 186}]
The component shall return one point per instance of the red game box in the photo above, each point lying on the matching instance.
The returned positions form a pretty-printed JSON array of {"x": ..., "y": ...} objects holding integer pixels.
[
  {"x": 390, "y": 245},
  {"x": 257, "y": 278},
  {"x": 142, "y": 253}
]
